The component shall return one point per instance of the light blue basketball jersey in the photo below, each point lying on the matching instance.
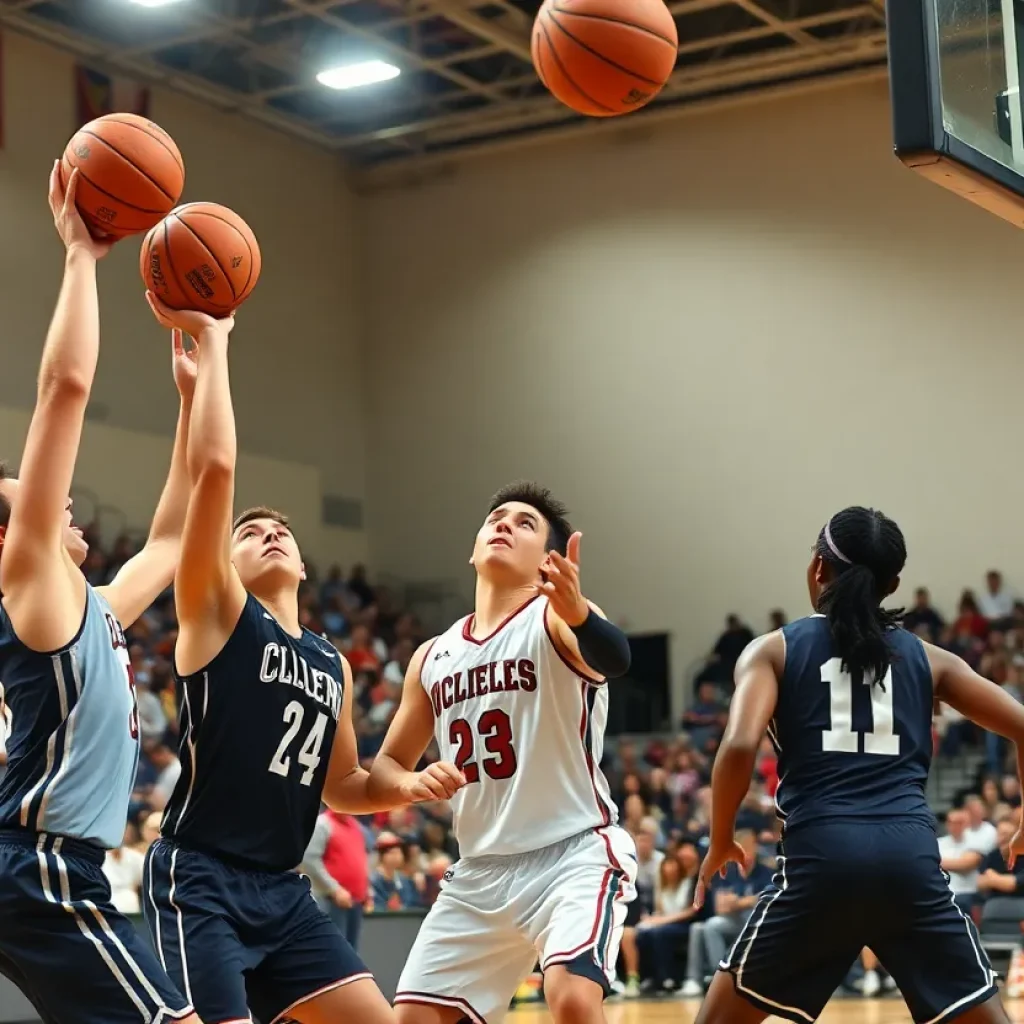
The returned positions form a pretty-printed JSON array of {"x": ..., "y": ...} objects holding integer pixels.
[{"x": 73, "y": 746}]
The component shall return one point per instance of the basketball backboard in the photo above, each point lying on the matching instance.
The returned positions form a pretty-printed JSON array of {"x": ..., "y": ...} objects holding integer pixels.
[{"x": 955, "y": 68}]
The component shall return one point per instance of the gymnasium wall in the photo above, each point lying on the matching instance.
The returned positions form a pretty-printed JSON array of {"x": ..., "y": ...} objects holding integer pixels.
[
  {"x": 295, "y": 362},
  {"x": 707, "y": 337}
]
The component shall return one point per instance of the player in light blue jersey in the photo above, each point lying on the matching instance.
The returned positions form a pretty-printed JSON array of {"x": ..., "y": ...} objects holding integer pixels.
[{"x": 73, "y": 744}]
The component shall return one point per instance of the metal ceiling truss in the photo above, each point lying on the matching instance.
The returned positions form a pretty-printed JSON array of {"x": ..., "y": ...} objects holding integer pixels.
[{"x": 470, "y": 78}]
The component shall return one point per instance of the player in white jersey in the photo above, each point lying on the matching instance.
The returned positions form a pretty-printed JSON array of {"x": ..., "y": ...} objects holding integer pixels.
[{"x": 515, "y": 696}]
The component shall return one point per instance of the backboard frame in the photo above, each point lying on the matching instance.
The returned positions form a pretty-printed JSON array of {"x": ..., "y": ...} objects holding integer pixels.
[{"x": 920, "y": 139}]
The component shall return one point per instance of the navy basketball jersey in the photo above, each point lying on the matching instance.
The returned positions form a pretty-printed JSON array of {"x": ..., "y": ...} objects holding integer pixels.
[
  {"x": 846, "y": 749},
  {"x": 257, "y": 728},
  {"x": 73, "y": 740}
]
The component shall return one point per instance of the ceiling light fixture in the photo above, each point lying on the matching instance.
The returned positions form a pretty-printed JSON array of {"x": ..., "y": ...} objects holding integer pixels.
[{"x": 352, "y": 76}]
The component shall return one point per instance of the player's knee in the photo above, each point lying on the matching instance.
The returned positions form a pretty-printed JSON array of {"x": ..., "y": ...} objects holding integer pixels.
[{"x": 571, "y": 998}]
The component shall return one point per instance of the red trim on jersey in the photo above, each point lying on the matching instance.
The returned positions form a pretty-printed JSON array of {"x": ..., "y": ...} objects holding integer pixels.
[
  {"x": 571, "y": 666},
  {"x": 467, "y": 626},
  {"x": 423, "y": 665},
  {"x": 589, "y": 757},
  {"x": 426, "y": 999},
  {"x": 570, "y": 954}
]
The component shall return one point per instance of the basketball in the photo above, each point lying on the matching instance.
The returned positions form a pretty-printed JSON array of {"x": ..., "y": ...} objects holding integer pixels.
[
  {"x": 201, "y": 256},
  {"x": 603, "y": 57},
  {"x": 130, "y": 174}
]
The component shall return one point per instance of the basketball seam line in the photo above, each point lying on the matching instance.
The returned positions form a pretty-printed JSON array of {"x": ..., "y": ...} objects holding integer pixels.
[
  {"x": 116, "y": 199},
  {"x": 615, "y": 21},
  {"x": 213, "y": 257},
  {"x": 156, "y": 138},
  {"x": 131, "y": 163},
  {"x": 224, "y": 220},
  {"x": 601, "y": 56},
  {"x": 561, "y": 67}
]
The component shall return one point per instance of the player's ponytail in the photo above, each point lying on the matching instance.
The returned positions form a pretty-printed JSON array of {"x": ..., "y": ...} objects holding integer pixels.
[{"x": 866, "y": 553}]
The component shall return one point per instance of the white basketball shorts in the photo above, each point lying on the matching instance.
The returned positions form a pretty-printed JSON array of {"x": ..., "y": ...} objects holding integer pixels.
[{"x": 496, "y": 917}]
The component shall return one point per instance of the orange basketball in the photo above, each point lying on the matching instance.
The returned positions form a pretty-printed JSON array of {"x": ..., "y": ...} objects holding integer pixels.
[
  {"x": 201, "y": 256},
  {"x": 604, "y": 57},
  {"x": 130, "y": 174}
]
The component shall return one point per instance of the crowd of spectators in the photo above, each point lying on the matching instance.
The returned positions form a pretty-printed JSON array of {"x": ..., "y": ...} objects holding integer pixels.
[{"x": 396, "y": 861}]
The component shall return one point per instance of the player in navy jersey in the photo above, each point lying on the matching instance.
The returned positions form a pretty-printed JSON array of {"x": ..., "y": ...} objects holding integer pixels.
[
  {"x": 266, "y": 730},
  {"x": 68, "y": 691},
  {"x": 846, "y": 696}
]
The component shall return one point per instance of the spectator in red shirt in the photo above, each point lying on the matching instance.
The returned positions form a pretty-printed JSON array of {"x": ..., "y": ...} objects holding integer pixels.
[{"x": 337, "y": 864}]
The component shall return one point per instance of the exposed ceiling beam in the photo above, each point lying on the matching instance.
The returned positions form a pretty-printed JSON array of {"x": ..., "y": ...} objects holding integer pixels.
[
  {"x": 400, "y": 52},
  {"x": 687, "y": 81},
  {"x": 146, "y": 70},
  {"x": 512, "y": 35},
  {"x": 780, "y": 25},
  {"x": 402, "y": 173}
]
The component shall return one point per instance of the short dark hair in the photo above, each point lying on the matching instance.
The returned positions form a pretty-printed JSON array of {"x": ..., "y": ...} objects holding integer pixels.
[
  {"x": 260, "y": 512},
  {"x": 553, "y": 512},
  {"x": 5, "y": 505}
]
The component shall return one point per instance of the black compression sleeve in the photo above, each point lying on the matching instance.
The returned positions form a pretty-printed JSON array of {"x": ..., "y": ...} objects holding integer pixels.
[{"x": 603, "y": 647}]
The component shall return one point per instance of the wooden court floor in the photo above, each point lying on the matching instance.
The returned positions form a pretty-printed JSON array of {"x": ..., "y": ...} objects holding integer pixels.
[{"x": 672, "y": 1011}]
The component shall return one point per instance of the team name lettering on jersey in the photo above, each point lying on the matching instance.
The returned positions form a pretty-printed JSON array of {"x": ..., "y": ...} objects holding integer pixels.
[
  {"x": 492, "y": 677},
  {"x": 282, "y": 665}
]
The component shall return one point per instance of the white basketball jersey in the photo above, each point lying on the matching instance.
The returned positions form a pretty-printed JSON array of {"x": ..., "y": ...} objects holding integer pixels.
[{"x": 526, "y": 729}]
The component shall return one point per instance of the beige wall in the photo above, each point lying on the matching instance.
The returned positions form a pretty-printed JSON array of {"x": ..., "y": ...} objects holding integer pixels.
[
  {"x": 707, "y": 338},
  {"x": 295, "y": 361}
]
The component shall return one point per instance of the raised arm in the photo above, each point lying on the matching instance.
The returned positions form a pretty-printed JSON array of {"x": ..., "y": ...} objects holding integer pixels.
[
  {"x": 43, "y": 591},
  {"x": 753, "y": 704},
  {"x": 143, "y": 578},
  {"x": 578, "y": 628},
  {"x": 208, "y": 594},
  {"x": 393, "y": 777}
]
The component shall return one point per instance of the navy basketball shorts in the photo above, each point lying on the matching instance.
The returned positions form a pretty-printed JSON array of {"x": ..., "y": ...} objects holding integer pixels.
[
  {"x": 237, "y": 940},
  {"x": 64, "y": 945},
  {"x": 843, "y": 886}
]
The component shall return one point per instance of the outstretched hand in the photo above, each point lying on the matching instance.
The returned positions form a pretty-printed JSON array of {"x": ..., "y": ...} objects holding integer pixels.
[
  {"x": 715, "y": 862},
  {"x": 68, "y": 221},
  {"x": 562, "y": 584},
  {"x": 189, "y": 321}
]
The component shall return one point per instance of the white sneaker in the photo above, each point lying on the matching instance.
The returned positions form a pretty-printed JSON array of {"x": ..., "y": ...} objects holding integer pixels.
[
  {"x": 691, "y": 989},
  {"x": 872, "y": 984},
  {"x": 632, "y": 989}
]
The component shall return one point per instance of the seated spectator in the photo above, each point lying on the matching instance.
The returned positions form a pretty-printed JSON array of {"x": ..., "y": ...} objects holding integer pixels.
[
  {"x": 360, "y": 651},
  {"x": 969, "y": 621},
  {"x": 731, "y": 900},
  {"x": 960, "y": 860},
  {"x": 390, "y": 888},
  {"x": 1001, "y": 889},
  {"x": 704, "y": 720},
  {"x": 923, "y": 617},
  {"x": 649, "y": 860},
  {"x": 980, "y": 832},
  {"x": 123, "y": 868},
  {"x": 996, "y": 601},
  {"x": 776, "y": 619},
  {"x": 168, "y": 770},
  {"x": 661, "y": 936},
  {"x": 727, "y": 650},
  {"x": 359, "y": 587}
]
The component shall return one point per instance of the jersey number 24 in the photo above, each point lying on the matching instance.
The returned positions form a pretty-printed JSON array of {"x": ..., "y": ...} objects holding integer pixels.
[
  {"x": 309, "y": 753},
  {"x": 881, "y": 738}
]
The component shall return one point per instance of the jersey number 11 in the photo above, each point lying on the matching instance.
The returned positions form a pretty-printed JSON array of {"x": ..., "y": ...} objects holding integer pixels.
[{"x": 881, "y": 738}]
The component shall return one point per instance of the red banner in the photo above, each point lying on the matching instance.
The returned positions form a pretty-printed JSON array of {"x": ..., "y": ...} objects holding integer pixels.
[{"x": 97, "y": 93}]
